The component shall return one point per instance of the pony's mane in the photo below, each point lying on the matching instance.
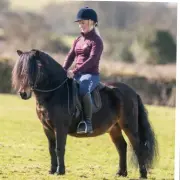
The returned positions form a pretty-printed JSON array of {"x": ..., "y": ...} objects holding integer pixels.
[{"x": 26, "y": 68}]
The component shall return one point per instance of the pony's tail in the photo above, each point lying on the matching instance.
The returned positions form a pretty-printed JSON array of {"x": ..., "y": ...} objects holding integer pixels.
[{"x": 148, "y": 143}]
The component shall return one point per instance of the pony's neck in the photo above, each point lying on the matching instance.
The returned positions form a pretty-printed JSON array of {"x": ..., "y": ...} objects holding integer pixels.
[
  {"x": 56, "y": 71},
  {"x": 56, "y": 75},
  {"x": 59, "y": 74},
  {"x": 56, "y": 82}
]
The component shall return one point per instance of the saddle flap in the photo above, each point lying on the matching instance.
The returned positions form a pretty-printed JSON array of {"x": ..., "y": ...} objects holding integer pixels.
[{"x": 95, "y": 95}]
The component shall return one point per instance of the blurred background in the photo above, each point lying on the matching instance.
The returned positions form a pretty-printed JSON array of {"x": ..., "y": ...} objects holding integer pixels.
[{"x": 139, "y": 41}]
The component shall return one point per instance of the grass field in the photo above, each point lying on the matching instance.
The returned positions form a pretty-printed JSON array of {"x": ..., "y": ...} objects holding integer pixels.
[{"x": 24, "y": 149}]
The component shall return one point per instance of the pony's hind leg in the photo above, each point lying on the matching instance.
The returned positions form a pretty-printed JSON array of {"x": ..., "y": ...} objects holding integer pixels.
[
  {"x": 121, "y": 146},
  {"x": 129, "y": 123},
  {"x": 135, "y": 142}
]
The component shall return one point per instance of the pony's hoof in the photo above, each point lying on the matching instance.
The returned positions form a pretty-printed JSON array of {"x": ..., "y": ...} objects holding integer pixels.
[
  {"x": 52, "y": 170},
  {"x": 121, "y": 173},
  {"x": 143, "y": 173},
  {"x": 60, "y": 171},
  {"x": 143, "y": 177}
]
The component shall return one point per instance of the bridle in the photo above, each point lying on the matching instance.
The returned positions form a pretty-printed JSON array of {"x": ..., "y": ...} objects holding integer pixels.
[{"x": 33, "y": 88}]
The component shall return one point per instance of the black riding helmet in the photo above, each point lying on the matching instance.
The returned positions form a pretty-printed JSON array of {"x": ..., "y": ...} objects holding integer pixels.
[{"x": 86, "y": 14}]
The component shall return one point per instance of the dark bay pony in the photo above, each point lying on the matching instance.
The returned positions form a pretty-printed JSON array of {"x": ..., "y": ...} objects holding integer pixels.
[{"x": 122, "y": 109}]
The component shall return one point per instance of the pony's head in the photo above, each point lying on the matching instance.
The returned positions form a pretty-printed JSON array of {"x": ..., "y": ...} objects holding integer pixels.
[{"x": 33, "y": 69}]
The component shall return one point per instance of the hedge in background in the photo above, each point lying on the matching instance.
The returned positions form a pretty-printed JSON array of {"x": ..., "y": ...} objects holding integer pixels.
[
  {"x": 5, "y": 75},
  {"x": 154, "y": 47}
]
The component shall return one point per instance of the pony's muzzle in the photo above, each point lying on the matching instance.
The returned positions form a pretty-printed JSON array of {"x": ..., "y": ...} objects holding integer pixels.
[{"x": 25, "y": 94}]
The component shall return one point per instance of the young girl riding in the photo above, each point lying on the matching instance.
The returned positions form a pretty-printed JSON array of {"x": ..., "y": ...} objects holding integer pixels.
[{"x": 86, "y": 51}]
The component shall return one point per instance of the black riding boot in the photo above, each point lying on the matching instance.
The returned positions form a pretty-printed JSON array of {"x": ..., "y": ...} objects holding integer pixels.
[{"x": 85, "y": 126}]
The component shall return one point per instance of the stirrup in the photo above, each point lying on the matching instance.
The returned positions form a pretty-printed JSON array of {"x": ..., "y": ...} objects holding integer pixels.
[{"x": 81, "y": 126}]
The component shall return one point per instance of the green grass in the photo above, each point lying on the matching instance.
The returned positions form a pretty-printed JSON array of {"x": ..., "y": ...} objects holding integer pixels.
[{"x": 24, "y": 149}]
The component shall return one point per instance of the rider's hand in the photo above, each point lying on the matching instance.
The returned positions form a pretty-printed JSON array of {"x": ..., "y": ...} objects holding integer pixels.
[{"x": 70, "y": 74}]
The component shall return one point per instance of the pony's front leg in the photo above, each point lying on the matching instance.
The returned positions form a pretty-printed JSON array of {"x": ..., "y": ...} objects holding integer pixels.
[
  {"x": 61, "y": 136},
  {"x": 52, "y": 146}
]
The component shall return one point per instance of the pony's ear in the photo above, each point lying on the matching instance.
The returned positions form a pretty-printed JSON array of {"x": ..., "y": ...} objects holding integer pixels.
[
  {"x": 36, "y": 52},
  {"x": 19, "y": 52}
]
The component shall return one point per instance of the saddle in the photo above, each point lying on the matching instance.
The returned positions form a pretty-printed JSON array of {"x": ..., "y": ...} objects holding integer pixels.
[{"x": 95, "y": 96}]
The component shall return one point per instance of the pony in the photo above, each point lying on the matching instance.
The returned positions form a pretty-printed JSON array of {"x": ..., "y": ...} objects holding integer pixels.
[{"x": 58, "y": 107}]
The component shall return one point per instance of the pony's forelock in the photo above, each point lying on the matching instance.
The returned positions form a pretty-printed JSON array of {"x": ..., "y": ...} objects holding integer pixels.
[{"x": 21, "y": 73}]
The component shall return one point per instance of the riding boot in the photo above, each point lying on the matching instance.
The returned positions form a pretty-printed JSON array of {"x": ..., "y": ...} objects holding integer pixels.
[{"x": 85, "y": 126}]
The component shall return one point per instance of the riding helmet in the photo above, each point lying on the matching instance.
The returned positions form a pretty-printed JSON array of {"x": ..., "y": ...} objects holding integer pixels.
[{"x": 86, "y": 14}]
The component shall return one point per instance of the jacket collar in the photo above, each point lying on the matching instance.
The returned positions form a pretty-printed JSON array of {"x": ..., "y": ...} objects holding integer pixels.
[{"x": 89, "y": 34}]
